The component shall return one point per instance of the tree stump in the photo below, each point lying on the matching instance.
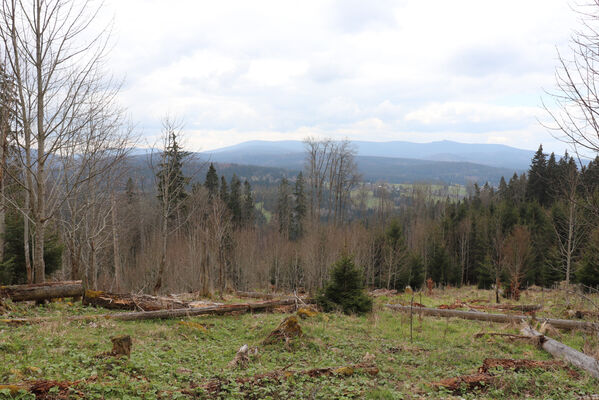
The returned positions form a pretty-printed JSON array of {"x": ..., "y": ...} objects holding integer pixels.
[
  {"x": 286, "y": 330},
  {"x": 121, "y": 345}
]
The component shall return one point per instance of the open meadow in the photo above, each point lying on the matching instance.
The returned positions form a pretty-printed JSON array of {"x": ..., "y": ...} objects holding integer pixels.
[{"x": 376, "y": 356}]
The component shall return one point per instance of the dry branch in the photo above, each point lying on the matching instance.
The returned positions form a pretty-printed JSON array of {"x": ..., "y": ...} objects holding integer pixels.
[
  {"x": 502, "y": 318},
  {"x": 42, "y": 291},
  {"x": 560, "y": 350},
  {"x": 485, "y": 376}
]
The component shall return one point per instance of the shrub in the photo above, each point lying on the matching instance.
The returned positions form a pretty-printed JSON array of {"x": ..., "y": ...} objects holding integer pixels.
[{"x": 345, "y": 289}]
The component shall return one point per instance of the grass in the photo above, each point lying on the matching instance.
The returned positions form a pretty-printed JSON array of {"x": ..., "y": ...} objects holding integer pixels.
[{"x": 174, "y": 360}]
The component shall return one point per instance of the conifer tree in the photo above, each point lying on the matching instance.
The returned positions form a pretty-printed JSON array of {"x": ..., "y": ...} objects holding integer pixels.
[
  {"x": 284, "y": 207},
  {"x": 300, "y": 208},
  {"x": 224, "y": 190},
  {"x": 536, "y": 188},
  {"x": 502, "y": 190},
  {"x": 211, "y": 182},
  {"x": 171, "y": 181},
  {"x": 249, "y": 207},
  {"x": 234, "y": 201}
]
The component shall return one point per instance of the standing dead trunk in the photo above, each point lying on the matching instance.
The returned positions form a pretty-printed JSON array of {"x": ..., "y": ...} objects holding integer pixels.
[
  {"x": 40, "y": 204},
  {"x": 115, "y": 247}
]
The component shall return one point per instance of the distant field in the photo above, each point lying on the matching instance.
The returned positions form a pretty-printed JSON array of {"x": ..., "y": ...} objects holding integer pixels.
[{"x": 407, "y": 190}]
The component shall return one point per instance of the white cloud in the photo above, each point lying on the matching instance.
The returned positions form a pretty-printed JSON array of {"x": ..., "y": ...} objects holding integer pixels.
[{"x": 235, "y": 70}]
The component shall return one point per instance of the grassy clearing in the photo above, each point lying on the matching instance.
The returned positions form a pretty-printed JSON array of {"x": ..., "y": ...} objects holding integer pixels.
[{"x": 174, "y": 360}]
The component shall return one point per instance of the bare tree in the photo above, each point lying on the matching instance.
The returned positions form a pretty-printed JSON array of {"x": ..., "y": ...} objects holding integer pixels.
[
  {"x": 515, "y": 255},
  {"x": 576, "y": 96},
  {"x": 569, "y": 224},
  {"x": 60, "y": 88}
]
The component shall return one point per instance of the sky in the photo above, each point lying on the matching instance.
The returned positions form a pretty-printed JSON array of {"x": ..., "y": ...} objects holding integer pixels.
[{"x": 472, "y": 71}]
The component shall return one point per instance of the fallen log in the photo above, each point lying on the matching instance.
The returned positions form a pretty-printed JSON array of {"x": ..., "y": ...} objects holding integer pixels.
[
  {"x": 502, "y": 318},
  {"x": 42, "y": 291},
  {"x": 560, "y": 350},
  {"x": 511, "y": 307},
  {"x": 507, "y": 335},
  {"x": 257, "y": 295},
  {"x": 139, "y": 302},
  {"x": 163, "y": 314}
]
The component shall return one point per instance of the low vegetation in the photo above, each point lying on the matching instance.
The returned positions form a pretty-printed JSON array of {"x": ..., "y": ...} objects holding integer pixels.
[{"x": 336, "y": 356}]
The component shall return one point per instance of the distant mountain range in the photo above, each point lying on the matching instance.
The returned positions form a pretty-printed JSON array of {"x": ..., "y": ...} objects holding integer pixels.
[{"x": 394, "y": 162}]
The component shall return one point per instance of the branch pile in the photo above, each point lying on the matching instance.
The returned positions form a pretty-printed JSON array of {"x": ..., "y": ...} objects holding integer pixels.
[{"x": 485, "y": 375}]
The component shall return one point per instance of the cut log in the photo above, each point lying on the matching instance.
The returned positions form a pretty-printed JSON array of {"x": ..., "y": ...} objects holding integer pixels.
[
  {"x": 42, "y": 291},
  {"x": 140, "y": 302},
  {"x": 502, "y": 318},
  {"x": 163, "y": 314},
  {"x": 561, "y": 351}
]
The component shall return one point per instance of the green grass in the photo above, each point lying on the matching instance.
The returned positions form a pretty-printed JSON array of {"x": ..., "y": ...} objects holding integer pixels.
[{"x": 171, "y": 360}]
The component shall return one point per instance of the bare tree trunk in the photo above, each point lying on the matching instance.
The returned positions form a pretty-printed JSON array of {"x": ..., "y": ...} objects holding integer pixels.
[
  {"x": 115, "y": 247},
  {"x": 38, "y": 256},
  {"x": 570, "y": 246}
]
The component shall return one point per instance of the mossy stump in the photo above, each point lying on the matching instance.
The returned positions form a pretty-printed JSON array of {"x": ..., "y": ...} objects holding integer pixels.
[
  {"x": 287, "y": 329},
  {"x": 121, "y": 345}
]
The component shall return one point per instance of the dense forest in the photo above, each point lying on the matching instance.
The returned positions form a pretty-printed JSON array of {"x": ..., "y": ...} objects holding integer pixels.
[{"x": 176, "y": 228}]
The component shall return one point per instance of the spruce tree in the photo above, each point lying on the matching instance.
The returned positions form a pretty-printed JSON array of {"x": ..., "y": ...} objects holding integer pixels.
[
  {"x": 234, "y": 201},
  {"x": 502, "y": 191},
  {"x": 249, "y": 207},
  {"x": 171, "y": 181},
  {"x": 211, "y": 182},
  {"x": 536, "y": 188},
  {"x": 553, "y": 183},
  {"x": 588, "y": 273},
  {"x": 300, "y": 208},
  {"x": 224, "y": 190},
  {"x": 284, "y": 207}
]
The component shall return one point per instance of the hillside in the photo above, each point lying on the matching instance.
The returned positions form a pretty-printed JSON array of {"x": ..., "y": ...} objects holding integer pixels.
[{"x": 494, "y": 155}]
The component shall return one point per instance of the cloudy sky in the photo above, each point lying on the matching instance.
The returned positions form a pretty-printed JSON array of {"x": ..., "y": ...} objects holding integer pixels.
[{"x": 465, "y": 70}]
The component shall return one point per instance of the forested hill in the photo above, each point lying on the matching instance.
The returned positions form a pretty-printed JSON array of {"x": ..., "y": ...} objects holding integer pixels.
[
  {"x": 494, "y": 155},
  {"x": 270, "y": 168}
]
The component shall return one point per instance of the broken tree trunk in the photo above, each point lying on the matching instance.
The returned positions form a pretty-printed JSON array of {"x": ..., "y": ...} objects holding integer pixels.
[
  {"x": 140, "y": 302},
  {"x": 42, "y": 291},
  {"x": 482, "y": 316},
  {"x": 560, "y": 350},
  {"x": 165, "y": 314}
]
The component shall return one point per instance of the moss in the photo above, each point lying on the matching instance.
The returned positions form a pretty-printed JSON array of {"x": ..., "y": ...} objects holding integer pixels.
[
  {"x": 92, "y": 294},
  {"x": 306, "y": 312}
]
